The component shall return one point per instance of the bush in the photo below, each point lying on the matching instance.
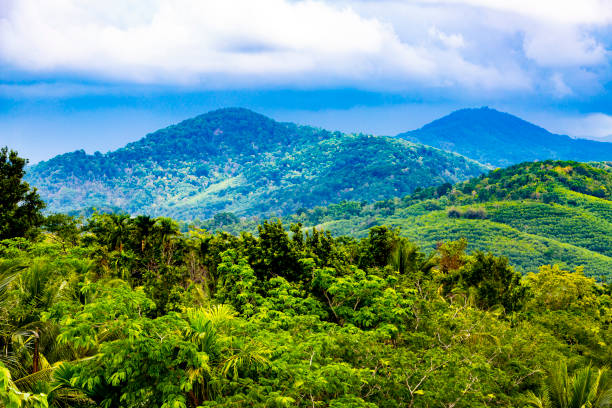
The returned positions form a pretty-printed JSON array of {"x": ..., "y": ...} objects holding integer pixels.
[
  {"x": 475, "y": 213},
  {"x": 453, "y": 212},
  {"x": 471, "y": 213}
]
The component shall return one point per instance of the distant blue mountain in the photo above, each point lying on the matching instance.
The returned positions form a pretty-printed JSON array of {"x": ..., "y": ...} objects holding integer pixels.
[{"x": 500, "y": 139}]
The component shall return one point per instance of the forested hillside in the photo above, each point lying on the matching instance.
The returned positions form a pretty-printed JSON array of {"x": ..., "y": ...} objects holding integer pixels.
[
  {"x": 501, "y": 139},
  {"x": 533, "y": 213},
  {"x": 239, "y": 161}
]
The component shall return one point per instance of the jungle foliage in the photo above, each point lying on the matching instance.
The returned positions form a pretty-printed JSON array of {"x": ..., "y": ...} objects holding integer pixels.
[{"x": 128, "y": 311}]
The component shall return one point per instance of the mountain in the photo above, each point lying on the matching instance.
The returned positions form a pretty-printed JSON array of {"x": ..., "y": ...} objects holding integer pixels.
[
  {"x": 607, "y": 139},
  {"x": 500, "y": 139},
  {"x": 534, "y": 213},
  {"x": 240, "y": 161}
]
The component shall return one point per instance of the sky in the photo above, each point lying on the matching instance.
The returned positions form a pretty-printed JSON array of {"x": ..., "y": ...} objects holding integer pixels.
[{"x": 97, "y": 74}]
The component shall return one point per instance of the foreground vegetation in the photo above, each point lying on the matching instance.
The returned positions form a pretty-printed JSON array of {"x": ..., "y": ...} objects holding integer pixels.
[
  {"x": 129, "y": 312},
  {"x": 123, "y": 311}
]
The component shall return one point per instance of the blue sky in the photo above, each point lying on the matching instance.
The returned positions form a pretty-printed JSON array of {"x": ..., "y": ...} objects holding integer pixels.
[{"x": 98, "y": 74}]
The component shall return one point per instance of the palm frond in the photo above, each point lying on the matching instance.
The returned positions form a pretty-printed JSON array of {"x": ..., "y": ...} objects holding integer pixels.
[
  {"x": 533, "y": 400},
  {"x": 252, "y": 355},
  {"x": 28, "y": 382}
]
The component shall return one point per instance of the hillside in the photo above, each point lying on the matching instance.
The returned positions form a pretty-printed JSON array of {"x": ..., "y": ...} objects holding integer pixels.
[
  {"x": 500, "y": 139},
  {"x": 239, "y": 161},
  {"x": 534, "y": 213}
]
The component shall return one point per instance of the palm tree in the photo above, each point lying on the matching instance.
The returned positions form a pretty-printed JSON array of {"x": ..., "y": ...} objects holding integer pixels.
[
  {"x": 8, "y": 273},
  {"x": 120, "y": 230},
  {"x": 410, "y": 262},
  {"x": 586, "y": 388},
  {"x": 144, "y": 227},
  {"x": 165, "y": 230},
  {"x": 30, "y": 352}
]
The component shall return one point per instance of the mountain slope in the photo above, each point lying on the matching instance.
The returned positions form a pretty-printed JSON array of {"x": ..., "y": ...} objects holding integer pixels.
[
  {"x": 534, "y": 213},
  {"x": 239, "y": 161},
  {"x": 501, "y": 139}
]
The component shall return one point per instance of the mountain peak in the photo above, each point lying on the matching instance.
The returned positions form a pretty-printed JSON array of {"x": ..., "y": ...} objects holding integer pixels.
[
  {"x": 235, "y": 129},
  {"x": 233, "y": 113},
  {"x": 501, "y": 139},
  {"x": 237, "y": 160},
  {"x": 231, "y": 119},
  {"x": 485, "y": 116}
]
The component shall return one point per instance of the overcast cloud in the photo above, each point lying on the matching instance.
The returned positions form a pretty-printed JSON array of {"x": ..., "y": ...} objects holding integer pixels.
[
  {"x": 535, "y": 54},
  {"x": 477, "y": 45}
]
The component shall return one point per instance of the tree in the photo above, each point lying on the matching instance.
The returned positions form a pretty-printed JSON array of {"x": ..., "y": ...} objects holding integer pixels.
[
  {"x": 144, "y": 228},
  {"x": 378, "y": 247},
  {"x": 64, "y": 228},
  {"x": 586, "y": 388},
  {"x": 443, "y": 189},
  {"x": 495, "y": 281},
  {"x": 409, "y": 261},
  {"x": 20, "y": 206}
]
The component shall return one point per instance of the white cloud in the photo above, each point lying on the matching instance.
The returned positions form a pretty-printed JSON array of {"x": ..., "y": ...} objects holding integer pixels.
[
  {"x": 449, "y": 40},
  {"x": 555, "y": 11},
  {"x": 384, "y": 45},
  {"x": 232, "y": 43},
  {"x": 560, "y": 88},
  {"x": 558, "y": 46},
  {"x": 537, "y": 38},
  {"x": 594, "y": 125}
]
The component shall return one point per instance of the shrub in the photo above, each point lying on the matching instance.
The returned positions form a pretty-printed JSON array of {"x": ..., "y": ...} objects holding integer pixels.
[
  {"x": 453, "y": 212},
  {"x": 475, "y": 213}
]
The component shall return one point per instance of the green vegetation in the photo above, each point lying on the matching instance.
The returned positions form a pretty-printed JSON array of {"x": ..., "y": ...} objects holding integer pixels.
[
  {"x": 120, "y": 311},
  {"x": 500, "y": 139},
  {"x": 234, "y": 160},
  {"x": 19, "y": 205},
  {"x": 134, "y": 313},
  {"x": 533, "y": 213}
]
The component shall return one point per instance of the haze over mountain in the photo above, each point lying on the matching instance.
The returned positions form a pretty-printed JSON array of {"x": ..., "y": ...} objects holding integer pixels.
[
  {"x": 500, "y": 139},
  {"x": 240, "y": 161}
]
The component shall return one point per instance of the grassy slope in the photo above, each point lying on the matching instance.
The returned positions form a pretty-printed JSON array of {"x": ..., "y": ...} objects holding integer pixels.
[{"x": 527, "y": 240}]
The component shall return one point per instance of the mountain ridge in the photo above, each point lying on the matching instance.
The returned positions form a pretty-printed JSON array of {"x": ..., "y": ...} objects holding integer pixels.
[
  {"x": 234, "y": 159},
  {"x": 500, "y": 139}
]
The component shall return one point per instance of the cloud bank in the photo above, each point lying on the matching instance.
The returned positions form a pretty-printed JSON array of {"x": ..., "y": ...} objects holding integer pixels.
[{"x": 474, "y": 45}]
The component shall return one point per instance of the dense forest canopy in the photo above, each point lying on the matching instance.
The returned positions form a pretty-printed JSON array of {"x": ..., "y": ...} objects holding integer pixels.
[
  {"x": 129, "y": 311},
  {"x": 235, "y": 160}
]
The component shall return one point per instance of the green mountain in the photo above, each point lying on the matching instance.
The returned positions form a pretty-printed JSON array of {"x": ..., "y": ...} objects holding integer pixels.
[
  {"x": 500, "y": 139},
  {"x": 239, "y": 161},
  {"x": 534, "y": 213}
]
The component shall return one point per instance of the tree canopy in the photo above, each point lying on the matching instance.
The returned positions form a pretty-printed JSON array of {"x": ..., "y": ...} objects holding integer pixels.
[
  {"x": 20, "y": 205},
  {"x": 128, "y": 311}
]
